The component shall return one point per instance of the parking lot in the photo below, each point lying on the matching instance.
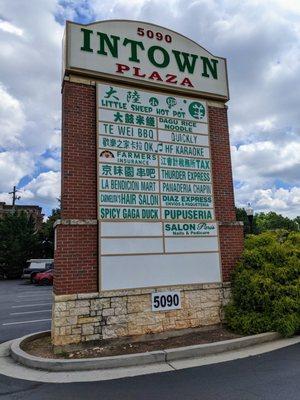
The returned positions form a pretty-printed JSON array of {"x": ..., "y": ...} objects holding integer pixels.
[{"x": 24, "y": 308}]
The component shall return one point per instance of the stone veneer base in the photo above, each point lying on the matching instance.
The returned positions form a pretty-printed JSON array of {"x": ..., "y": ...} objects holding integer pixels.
[{"x": 93, "y": 316}]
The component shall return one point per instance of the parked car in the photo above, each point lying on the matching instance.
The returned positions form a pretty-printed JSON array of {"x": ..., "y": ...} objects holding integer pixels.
[
  {"x": 44, "y": 278},
  {"x": 37, "y": 265}
]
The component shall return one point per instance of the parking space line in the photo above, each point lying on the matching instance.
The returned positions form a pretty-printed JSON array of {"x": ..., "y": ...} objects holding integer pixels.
[
  {"x": 37, "y": 293},
  {"x": 37, "y": 287},
  {"x": 29, "y": 312},
  {"x": 29, "y": 293},
  {"x": 33, "y": 296},
  {"x": 34, "y": 300},
  {"x": 32, "y": 305},
  {"x": 34, "y": 287},
  {"x": 26, "y": 322}
]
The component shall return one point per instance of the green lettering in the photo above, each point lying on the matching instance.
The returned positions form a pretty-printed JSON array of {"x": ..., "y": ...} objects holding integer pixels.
[
  {"x": 212, "y": 66},
  {"x": 186, "y": 63},
  {"x": 86, "y": 40},
  {"x": 111, "y": 43},
  {"x": 166, "y": 57},
  {"x": 134, "y": 46}
]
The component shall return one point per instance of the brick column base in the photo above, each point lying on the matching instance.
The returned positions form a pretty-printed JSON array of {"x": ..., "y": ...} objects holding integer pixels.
[
  {"x": 231, "y": 246},
  {"x": 76, "y": 258}
]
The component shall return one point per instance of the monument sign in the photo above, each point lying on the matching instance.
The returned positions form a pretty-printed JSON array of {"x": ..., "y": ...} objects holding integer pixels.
[{"x": 148, "y": 234}]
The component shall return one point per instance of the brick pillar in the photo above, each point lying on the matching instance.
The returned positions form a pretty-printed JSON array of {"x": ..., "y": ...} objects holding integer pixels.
[
  {"x": 76, "y": 255},
  {"x": 231, "y": 231}
]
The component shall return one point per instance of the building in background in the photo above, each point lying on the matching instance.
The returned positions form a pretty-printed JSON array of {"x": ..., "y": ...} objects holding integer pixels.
[{"x": 30, "y": 210}]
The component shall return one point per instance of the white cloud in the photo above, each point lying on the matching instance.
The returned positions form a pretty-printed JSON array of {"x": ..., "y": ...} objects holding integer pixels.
[
  {"x": 44, "y": 189},
  {"x": 286, "y": 201},
  {"x": 266, "y": 161},
  {"x": 30, "y": 69},
  {"x": 14, "y": 165},
  {"x": 6, "y": 197},
  {"x": 12, "y": 119},
  {"x": 51, "y": 163},
  {"x": 10, "y": 28},
  {"x": 108, "y": 9},
  {"x": 259, "y": 167}
]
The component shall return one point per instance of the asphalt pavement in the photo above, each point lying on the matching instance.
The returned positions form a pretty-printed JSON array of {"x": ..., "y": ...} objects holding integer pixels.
[
  {"x": 25, "y": 308},
  {"x": 270, "y": 376}
]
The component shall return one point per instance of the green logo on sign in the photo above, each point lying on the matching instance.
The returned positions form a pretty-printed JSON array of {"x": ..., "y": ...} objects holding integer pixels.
[
  {"x": 197, "y": 110},
  {"x": 171, "y": 102},
  {"x": 153, "y": 101}
]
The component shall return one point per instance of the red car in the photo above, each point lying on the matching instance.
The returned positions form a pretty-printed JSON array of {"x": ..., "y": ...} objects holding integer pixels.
[{"x": 44, "y": 278}]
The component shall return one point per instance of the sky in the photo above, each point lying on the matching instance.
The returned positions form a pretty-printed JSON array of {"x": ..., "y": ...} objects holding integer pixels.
[{"x": 259, "y": 38}]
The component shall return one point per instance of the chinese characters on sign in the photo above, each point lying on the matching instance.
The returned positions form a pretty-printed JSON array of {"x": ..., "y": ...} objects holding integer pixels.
[{"x": 154, "y": 174}]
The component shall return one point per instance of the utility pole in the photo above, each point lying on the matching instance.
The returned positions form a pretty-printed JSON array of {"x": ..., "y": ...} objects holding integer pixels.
[{"x": 14, "y": 196}]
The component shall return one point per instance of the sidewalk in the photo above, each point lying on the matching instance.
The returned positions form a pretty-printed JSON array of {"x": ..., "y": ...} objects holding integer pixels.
[{"x": 173, "y": 359}]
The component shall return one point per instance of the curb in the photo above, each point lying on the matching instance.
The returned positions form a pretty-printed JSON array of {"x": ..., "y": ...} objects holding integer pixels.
[{"x": 129, "y": 360}]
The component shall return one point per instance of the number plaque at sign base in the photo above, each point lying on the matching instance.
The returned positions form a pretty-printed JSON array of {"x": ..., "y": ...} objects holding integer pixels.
[{"x": 164, "y": 301}]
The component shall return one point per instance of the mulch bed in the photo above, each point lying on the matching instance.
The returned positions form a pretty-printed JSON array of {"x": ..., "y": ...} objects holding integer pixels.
[{"x": 42, "y": 347}]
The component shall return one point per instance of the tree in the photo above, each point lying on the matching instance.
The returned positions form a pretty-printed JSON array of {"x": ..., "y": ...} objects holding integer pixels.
[
  {"x": 272, "y": 221},
  {"x": 46, "y": 234},
  {"x": 263, "y": 222},
  {"x": 19, "y": 241}
]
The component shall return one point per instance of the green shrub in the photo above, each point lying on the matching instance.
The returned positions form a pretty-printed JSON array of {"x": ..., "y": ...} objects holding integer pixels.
[
  {"x": 257, "y": 241},
  {"x": 288, "y": 325},
  {"x": 247, "y": 323},
  {"x": 266, "y": 285}
]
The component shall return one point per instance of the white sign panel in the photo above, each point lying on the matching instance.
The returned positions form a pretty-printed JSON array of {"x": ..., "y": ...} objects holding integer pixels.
[
  {"x": 156, "y": 208},
  {"x": 164, "y": 301},
  {"x": 145, "y": 53},
  {"x": 159, "y": 269}
]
